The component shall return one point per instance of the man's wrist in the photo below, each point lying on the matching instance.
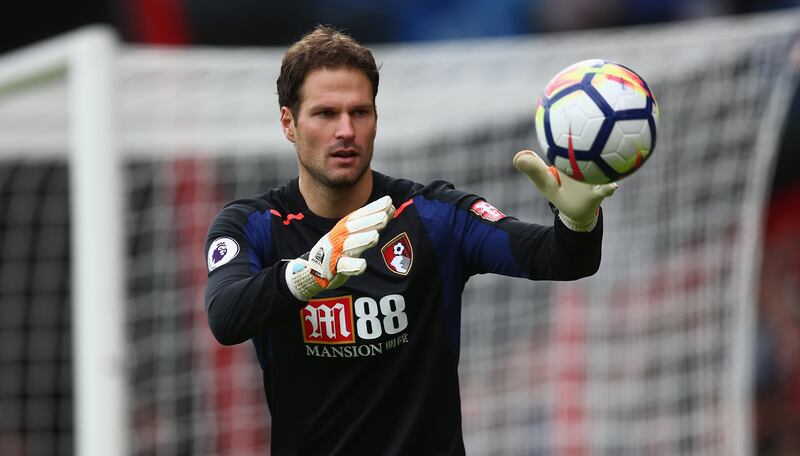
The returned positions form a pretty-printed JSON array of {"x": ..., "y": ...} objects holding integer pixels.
[
  {"x": 579, "y": 226},
  {"x": 300, "y": 281}
]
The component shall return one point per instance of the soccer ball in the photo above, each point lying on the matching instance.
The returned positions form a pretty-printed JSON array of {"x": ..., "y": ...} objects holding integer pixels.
[{"x": 596, "y": 121}]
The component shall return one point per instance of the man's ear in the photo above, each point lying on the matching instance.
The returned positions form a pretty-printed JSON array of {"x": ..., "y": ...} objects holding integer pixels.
[{"x": 288, "y": 123}]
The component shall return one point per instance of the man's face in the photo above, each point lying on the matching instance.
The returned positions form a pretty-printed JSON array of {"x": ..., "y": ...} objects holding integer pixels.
[{"x": 334, "y": 127}]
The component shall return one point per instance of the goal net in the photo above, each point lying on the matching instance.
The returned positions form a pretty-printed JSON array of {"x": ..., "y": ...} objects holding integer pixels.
[{"x": 652, "y": 355}]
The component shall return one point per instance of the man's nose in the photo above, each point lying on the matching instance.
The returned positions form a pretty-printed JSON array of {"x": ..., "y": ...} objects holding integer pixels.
[{"x": 345, "y": 128}]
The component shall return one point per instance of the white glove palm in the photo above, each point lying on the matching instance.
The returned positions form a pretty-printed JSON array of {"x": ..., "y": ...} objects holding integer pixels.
[
  {"x": 577, "y": 203},
  {"x": 335, "y": 257}
]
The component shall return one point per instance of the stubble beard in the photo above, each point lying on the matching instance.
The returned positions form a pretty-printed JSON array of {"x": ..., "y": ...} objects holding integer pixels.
[
  {"x": 341, "y": 182},
  {"x": 318, "y": 173}
]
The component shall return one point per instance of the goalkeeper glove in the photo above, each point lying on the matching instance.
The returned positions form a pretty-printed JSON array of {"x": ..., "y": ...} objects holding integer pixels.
[
  {"x": 335, "y": 257},
  {"x": 577, "y": 203}
]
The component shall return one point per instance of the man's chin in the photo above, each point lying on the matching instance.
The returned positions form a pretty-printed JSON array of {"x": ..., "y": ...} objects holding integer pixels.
[
  {"x": 340, "y": 182},
  {"x": 337, "y": 177}
]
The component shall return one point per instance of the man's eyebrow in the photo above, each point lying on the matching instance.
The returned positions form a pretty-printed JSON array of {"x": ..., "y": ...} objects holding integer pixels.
[
  {"x": 326, "y": 106},
  {"x": 317, "y": 107}
]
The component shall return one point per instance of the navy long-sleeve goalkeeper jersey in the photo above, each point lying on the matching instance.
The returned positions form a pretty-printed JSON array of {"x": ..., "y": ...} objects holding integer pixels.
[{"x": 370, "y": 368}]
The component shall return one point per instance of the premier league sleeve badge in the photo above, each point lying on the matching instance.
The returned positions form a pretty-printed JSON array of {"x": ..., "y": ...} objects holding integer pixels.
[{"x": 221, "y": 251}]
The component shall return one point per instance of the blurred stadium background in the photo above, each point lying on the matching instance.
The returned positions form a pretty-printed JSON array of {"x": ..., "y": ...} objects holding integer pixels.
[{"x": 652, "y": 378}]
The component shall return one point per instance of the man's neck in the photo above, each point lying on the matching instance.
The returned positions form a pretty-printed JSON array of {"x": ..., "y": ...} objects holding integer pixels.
[{"x": 331, "y": 202}]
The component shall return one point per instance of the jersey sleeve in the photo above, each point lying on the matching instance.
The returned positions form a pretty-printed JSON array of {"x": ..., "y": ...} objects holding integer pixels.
[
  {"x": 245, "y": 292},
  {"x": 488, "y": 241},
  {"x": 554, "y": 252}
]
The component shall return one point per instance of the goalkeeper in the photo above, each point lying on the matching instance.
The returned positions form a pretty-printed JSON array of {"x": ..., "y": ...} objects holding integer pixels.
[{"x": 349, "y": 281}]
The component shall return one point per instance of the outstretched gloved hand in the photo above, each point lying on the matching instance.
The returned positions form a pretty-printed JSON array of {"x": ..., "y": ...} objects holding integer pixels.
[{"x": 577, "y": 203}]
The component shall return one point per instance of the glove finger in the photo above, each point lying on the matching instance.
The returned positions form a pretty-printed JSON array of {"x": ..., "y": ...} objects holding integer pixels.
[
  {"x": 350, "y": 266},
  {"x": 383, "y": 204},
  {"x": 356, "y": 243},
  {"x": 606, "y": 190},
  {"x": 337, "y": 281},
  {"x": 537, "y": 171},
  {"x": 375, "y": 221}
]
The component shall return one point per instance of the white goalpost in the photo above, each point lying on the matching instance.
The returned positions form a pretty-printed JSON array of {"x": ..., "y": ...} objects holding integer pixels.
[
  {"x": 86, "y": 60},
  {"x": 114, "y": 159}
]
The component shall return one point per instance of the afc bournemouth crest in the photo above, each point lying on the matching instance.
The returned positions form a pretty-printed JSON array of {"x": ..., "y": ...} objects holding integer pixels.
[
  {"x": 486, "y": 211},
  {"x": 398, "y": 255}
]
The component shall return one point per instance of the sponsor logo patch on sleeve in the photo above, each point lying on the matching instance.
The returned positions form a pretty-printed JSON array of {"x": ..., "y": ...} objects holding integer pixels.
[
  {"x": 486, "y": 211},
  {"x": 221, "y": 251}
]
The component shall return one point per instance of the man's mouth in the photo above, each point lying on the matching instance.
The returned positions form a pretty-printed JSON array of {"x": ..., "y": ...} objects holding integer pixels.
[{"x": 347, "y": 153}]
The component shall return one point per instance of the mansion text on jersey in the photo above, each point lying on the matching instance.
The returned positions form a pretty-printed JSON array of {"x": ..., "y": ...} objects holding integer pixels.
[{"x": 353, "y": 351}]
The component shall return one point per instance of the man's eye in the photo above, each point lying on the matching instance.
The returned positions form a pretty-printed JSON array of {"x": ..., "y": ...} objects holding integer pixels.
[{"x": 325, "y": 113}]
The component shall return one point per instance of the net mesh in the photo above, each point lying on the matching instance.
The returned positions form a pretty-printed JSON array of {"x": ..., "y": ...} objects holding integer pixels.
[{"x": 649, "y": 356}]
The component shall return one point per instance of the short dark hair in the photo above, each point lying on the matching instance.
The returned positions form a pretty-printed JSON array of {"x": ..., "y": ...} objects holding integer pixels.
[{"x": 323, "y": 47}]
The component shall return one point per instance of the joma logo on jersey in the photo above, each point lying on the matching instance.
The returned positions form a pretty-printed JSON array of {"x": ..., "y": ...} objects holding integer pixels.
[{"x": 328, "y": 321}]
